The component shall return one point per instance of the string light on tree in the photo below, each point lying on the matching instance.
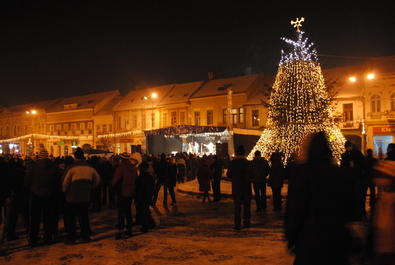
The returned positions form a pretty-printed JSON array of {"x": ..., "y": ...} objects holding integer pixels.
[{"x": 299, "y": 103}]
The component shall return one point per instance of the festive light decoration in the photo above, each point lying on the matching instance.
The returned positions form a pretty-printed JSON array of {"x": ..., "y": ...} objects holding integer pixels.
[
  {"x": 299, "y": 105},
  {"x": 117, "y": 135},
  {"x": 298, "y": 23},
  {"x": 44, "y": 136}
]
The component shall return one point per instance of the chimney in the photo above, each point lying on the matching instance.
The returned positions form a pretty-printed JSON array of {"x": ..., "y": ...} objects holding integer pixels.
[{"x": 211, "y": 75}]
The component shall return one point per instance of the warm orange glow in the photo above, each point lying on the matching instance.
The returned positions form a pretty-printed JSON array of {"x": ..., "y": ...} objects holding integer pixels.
[
  {"x": 154, "y": 95},
  {"x": 353, "y": 79},
  {"x": 370, "y": 76}
]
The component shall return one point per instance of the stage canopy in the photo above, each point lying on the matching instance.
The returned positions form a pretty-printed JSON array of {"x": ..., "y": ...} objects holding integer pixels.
[{"x": 185, "y": 130}]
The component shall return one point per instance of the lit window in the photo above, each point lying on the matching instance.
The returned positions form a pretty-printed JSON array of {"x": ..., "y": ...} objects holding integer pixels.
[
  {"x": 392, "y": 102},
  {"x": 210, "y": 117},
  {"x": 255, "y": 117},
  {"x": 376, "y": 103},
  {"x": 197, "y": 117}
]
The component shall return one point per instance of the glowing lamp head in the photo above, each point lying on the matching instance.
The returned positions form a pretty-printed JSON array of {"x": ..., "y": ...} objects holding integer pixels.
[
  {"x": 352, "y": 79},
  {"x": 370, "y": 76},
  {"x": 153, "y": 95}
]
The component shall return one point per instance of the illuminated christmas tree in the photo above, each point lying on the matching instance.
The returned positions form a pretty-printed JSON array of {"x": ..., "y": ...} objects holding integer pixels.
[{"x": 299, "y": 103}]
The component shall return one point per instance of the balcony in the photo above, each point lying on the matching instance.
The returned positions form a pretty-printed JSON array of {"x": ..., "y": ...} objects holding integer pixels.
[
  {"x": 349, "y": 125},
  {"x": 390, "y": 115}
]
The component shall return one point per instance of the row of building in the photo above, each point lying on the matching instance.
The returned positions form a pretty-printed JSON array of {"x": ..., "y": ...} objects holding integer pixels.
[
  {"x": 191, "y": 117},
  {"x": 209, "y": 116}
]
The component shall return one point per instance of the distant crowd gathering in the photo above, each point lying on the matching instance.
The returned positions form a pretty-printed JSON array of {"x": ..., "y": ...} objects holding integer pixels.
[
  {"x": 42, "y": 188},
  {"x": 324, "y": 198}
]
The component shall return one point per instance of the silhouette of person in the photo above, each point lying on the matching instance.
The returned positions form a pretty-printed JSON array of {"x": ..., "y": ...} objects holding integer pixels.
[
  {"x": 318, "y": 207},
  {"x": 260, "y": 170},
  {"x": 240, "y": 174}
]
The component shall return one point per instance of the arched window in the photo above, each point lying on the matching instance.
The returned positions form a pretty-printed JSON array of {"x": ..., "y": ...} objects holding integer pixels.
[
  {"x": 392, "y": 99},
  {"x": 376, "y": 103}
]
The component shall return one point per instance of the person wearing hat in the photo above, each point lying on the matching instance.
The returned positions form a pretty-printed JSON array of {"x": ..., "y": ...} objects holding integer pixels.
[
  {"x": 79, "y": 179},
  {"x": 43, "y": 180},
  {"x": 355, "y": 160},
  {"x": 240, "y": 174},
  {"x": 124, "y": 181}
]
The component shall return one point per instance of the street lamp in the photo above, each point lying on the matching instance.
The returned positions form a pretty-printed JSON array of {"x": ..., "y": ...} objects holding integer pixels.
[
  {"x": 363, "y": 99},
  {"x": 153, "y": 95},
  {"x": 31, "y": 141}
]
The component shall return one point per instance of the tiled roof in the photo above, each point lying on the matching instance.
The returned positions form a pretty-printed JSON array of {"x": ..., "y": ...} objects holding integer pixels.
[
  {"x": 219, "y": 86},
  {"x": 180, "y": 93},
  {"x": 134, "y": 99},
  {"x": 83, "y": 102}
]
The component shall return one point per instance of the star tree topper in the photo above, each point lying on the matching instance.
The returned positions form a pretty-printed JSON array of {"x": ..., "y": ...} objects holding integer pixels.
[{"x": 298, "y": 23}]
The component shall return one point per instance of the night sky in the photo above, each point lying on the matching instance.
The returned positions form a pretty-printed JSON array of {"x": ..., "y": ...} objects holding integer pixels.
[{"x": 52, "y": 49}]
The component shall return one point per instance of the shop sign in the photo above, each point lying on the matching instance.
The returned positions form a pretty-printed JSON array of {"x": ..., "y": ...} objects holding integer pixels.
[{"x": 387, "y": 129}]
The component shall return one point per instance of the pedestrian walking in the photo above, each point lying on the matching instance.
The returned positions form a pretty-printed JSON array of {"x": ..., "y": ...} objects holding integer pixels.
[{"x": 240, "y": 174}]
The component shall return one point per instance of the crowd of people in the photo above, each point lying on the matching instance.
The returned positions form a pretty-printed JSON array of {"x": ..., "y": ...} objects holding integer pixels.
[
  {"x": 323, "y": 197},
  {"x": 42, "y": 188}
]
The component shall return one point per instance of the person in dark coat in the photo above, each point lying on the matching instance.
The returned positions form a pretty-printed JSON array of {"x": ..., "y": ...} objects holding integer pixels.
[
  {"x": 162, "y": 170},
  {"x": 260, "y": 169},
  {"x": 318, "y": 208},
  {"x": 216, "y": 168},
  {"x": 43, "y": 179},
  {"x": 172, "y": 181},
  {"x": 370, "y": 162},
  {"x": 18, "y": 202},
  {"x": 145, "y": 190},
  {"x": 390, "y": 152},
  {"x": 276, "y": 179},
  {"x": 240, "y": 174},
  {"x": 355, "y": 160},
  {"x": 125, "y": 179},
  {"x": 5, "y": 193},
  {"x": 205, "y": 175},
  {"x": 96, "y": 195}
]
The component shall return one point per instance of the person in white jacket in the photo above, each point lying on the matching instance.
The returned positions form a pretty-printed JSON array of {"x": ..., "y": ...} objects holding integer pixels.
[{"x": 79, "y": 179}]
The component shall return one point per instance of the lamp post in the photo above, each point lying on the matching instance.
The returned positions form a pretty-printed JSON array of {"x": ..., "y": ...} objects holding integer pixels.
[
  {"x": 353, "y": 79},
  {"x": 153, "y": 95},
  {"x": 31, "y": 141}
]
